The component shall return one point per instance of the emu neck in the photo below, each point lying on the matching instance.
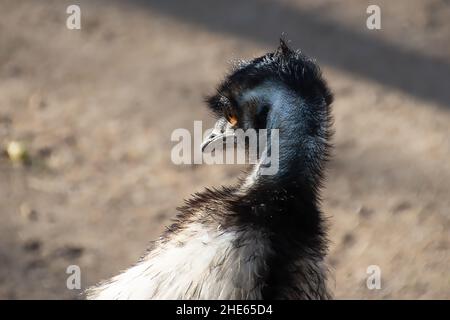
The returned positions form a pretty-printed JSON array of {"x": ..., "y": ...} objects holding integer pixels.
[
  {"x": 296, "y": 152},
  {"x": 285, "y": 204}
]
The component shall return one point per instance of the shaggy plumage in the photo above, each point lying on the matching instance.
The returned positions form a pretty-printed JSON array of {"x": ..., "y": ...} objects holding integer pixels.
[{"x": 264, "y": 238}]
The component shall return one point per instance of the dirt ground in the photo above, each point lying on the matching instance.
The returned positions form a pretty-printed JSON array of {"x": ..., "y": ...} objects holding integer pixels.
[{"x": 96, "y": 108}]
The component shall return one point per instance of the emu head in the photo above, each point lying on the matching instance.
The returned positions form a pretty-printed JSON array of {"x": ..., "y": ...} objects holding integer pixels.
[{"x": 281, "y": 90}]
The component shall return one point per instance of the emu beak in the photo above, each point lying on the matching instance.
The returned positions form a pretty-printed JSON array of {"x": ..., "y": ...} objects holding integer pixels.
[{"x": 222, "y": 130}]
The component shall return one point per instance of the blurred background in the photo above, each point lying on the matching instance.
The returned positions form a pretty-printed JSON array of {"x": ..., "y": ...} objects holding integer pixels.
[{"x": 86, "y": 116}]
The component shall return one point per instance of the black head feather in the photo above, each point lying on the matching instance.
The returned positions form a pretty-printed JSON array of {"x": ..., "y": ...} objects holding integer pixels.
[{"x": 284, "y": 65}]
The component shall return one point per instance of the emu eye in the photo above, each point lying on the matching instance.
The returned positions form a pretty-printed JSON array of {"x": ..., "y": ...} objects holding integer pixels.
[
  {"x": 232, "y": 119},
  {"x": 230, "y": 114}
]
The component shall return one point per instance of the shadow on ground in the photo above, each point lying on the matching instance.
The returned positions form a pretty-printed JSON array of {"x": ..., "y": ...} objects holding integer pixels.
[{"x": 330, "y": 42}]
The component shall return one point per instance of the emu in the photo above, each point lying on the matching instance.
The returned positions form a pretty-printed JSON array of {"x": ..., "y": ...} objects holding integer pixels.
[{"x": 265, "y": 237}]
